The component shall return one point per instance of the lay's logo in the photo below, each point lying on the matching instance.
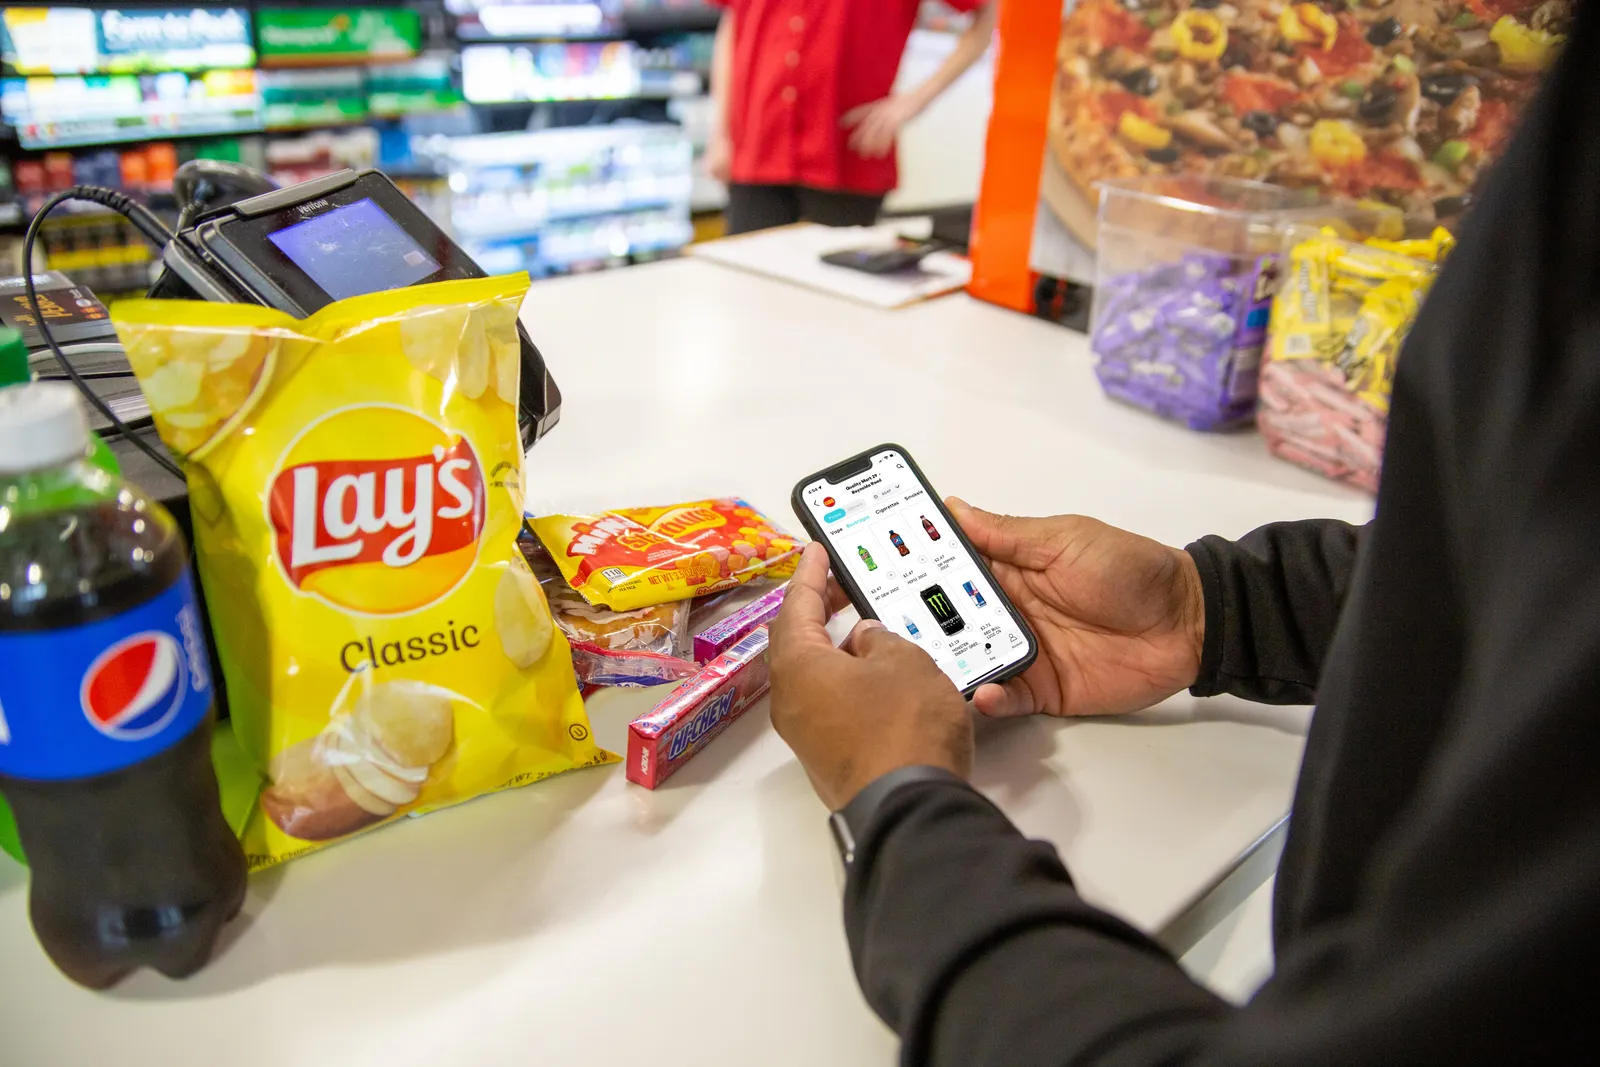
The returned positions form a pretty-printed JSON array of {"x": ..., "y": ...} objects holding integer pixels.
[{"x": 376, "y": 509}]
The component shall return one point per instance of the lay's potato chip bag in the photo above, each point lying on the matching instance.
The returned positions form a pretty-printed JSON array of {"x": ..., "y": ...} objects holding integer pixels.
[
  {"x": 355, "y": 481},
  {"x": 635, "y": 557}
]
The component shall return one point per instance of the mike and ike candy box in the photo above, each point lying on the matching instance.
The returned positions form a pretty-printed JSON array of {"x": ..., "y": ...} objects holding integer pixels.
[
  {"x": 636, "y": 557},
  {"x": 355, "y": 480}
]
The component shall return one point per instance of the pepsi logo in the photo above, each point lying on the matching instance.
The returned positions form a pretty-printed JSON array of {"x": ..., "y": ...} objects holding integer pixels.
[{"x": 135, "y": 687}]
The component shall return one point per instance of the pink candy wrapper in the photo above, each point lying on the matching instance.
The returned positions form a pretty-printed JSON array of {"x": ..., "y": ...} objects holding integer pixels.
[
  {"x": 717, "y": 638},
  {"x": 697, "y": 711}
]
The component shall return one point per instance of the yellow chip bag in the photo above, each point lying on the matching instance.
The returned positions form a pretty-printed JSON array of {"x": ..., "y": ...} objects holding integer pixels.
[
  {"x": 355, "y": 481},
  {"x": 635, "y": 557}
]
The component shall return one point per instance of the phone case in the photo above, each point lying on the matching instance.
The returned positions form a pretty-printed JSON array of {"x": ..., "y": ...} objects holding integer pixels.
[{"x": 859, "y": 600}]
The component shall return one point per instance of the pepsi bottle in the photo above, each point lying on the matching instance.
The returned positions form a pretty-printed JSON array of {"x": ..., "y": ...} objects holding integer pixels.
[{"x": 105, "y": 709}]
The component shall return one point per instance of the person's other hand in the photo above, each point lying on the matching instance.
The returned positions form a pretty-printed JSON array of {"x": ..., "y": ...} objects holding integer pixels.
[
  {"x": 874, "y": 127},
  {"x": 875, "y": 705},
  {"x": 719, "y": 157},
  {"x": 1120, "y": 618}
]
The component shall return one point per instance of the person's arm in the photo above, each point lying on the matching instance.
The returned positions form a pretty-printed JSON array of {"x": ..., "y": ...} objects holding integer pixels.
[
  {"x": 1272, "y": 600},
  {"x": 875, "y": 126},
  {"x": 719, "y": 146},
  {"x": 971, "y": 943}
]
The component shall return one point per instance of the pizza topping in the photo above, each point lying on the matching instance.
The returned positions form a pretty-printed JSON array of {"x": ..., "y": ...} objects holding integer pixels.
[
  {"x": 1111, "y": 25},
  {"x": 1335, "y": 143},
  {"x": 1494, "y": 123},
  {"x": 1260, "y": 123},
  {"x": 1308, "y": 24},
  {"x": 1197, "y": 127},
  {"x": 1452, "y": 154},
  {"x": 1383, "y": 173},
  {"x": 1442, "y": 87},
  {"x": 1377, "y": 102},
  {"x": 1523, "y": 49},
  {"x": 1462, "y": 114},
  {"x": 1142, "y": 81},
  {"x": 1142, "y": 132},
  {"x": 1200, "y": 35},
  {"x": 1115, "y": 103},
  {"x": 1381, "y": 33},
  {"x": 1257, "y": 92}
]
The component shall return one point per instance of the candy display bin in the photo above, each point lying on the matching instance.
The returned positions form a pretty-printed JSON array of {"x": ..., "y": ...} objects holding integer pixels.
[
  {"x": 1342, "y": 311},
  {"x": 1185, "y": 272}
]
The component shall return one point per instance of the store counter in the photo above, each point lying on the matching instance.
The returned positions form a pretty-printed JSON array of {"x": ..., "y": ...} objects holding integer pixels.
[{"x": 584, "y": 920}]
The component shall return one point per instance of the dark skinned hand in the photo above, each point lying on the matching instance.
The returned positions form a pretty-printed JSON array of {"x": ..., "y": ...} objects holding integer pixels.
[
  {"x": 1120, "y": 618},
  {"x": 873, "y": 705}
]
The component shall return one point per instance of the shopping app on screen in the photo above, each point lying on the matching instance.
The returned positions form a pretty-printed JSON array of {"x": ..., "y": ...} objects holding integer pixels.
[{"x": 918, "y": 576}]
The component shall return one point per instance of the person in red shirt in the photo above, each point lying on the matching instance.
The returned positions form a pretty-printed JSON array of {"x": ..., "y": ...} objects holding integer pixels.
[{"x": 805, "y": 121}]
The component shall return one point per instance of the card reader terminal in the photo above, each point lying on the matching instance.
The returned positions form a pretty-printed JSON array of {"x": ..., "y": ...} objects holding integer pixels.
[{"x": 345, "y": 234}]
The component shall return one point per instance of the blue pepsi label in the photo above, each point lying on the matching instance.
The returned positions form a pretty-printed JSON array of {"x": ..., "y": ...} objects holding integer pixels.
[{"x": 96, "y": 698}]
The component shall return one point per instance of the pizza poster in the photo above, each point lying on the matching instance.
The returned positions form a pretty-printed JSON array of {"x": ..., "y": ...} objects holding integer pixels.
[{"x": 1406, "y": 102}]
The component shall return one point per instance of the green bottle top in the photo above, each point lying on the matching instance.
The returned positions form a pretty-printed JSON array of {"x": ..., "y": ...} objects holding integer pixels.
[{"x": 13, "y": 358}]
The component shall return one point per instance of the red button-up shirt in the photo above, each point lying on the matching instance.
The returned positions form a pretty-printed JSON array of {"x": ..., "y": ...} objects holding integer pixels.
[{"x": 798, "y": 66}]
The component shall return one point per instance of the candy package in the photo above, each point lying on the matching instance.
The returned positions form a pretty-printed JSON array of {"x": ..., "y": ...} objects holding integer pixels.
[
  {"x": 642, "y": 647},
  {"x": 356, "y": 489},
  {"x": 638, "y": 557},
  {"x": 1338, "y": 322},
  {"x": 663, "y": 740},
  {"x": 1183, "y": 339}
]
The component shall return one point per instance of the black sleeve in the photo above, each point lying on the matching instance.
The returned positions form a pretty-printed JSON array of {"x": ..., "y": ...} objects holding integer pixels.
[
  {"x": 1272, "y": 601},
  {"x": 971, "y": 943}
]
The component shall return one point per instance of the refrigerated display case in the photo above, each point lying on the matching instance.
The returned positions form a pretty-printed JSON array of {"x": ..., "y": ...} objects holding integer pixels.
[{"x": 552, "y": 201}]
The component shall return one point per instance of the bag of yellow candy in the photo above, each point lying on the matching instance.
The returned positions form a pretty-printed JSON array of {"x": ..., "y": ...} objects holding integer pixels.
[
  {"x": 635, "y": 557},
  {"x": 355, "y": 481}
]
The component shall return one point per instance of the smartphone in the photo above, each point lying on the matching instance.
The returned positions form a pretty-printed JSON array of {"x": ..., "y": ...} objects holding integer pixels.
[
  {"x": 904, "y": 254},
  {"x": 897, "y": 553}
]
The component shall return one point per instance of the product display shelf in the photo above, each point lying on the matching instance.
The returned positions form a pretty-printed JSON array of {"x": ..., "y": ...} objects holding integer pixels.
[{"x": 557, "y": 200}]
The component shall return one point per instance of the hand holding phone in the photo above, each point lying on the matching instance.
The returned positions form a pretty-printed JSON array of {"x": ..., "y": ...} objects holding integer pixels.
[{"x": 903, "y": 560}]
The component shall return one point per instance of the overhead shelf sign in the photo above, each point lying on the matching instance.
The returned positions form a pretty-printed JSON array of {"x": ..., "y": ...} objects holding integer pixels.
[
  {"x": 306, "y": 36},
  {"x": 77, "y": 40}
]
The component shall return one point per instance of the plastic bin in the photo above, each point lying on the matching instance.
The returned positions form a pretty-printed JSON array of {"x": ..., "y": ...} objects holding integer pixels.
[
  {"x": 1184, "y": 279},
  {"x": 1342, "y": 311}
]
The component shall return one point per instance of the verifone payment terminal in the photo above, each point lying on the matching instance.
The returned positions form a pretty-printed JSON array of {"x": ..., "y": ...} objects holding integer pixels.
[{"x": 349, "y": 233}]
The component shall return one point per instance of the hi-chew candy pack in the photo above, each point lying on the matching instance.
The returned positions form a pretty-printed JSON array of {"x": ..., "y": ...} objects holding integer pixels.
[
  {"x": 697, "y": 711},
  {"x": 355, "y": 480},
  {"x": 635, "y": 557}
]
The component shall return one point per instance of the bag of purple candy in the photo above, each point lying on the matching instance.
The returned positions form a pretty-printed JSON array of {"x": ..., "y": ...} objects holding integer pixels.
[
  {"x": 1186, "y": 269},
  {"x": 1184, "y": 339}
]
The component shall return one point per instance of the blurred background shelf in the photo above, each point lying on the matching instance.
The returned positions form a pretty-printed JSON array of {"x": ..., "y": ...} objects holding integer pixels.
[{"x": 550, "y": 135}]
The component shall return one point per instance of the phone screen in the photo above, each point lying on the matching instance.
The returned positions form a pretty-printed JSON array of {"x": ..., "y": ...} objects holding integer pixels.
[{"x": 893, "y": 539}]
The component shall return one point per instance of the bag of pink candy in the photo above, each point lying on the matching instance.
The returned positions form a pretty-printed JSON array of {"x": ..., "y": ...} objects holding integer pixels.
[{"x": 1342, "y": 311}]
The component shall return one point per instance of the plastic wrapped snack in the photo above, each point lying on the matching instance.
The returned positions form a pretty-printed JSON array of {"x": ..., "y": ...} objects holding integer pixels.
[
  {"x": 636, "y": 557},
  {"x": 697, "y": 711},
  {"x": 1338, "y": 322},
  {"x": 642, "y": 647},
  {"x": 356, "y": 488},
  {"x": 1185, "y": 270}
]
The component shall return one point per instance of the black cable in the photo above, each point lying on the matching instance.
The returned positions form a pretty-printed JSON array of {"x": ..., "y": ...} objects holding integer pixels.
[{"x": 149, "y": 225}]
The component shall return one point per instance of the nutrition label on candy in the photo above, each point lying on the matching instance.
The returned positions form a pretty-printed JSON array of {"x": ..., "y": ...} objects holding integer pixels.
[{"x": 918, "y": 576}]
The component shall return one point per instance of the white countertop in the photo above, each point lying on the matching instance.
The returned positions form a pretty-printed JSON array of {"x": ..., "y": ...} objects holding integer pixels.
[{"x": 584, "y": 920}]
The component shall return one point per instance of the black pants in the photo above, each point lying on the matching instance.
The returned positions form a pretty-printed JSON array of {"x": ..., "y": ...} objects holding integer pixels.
[{"x": 761, "y": 207}]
